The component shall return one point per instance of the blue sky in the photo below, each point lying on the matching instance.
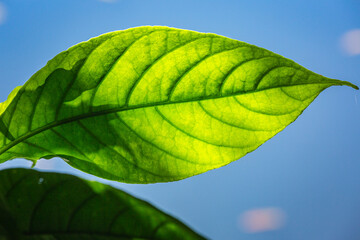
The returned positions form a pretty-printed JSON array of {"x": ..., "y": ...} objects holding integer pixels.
[{"x": 309, "y": 173}]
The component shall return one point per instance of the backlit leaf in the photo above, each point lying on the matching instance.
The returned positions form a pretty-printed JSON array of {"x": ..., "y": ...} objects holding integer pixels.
[{"x": 155, "y": 104}]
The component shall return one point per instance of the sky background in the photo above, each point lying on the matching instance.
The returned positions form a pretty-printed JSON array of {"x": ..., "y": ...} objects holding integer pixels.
[{"x": 302, "y": 184}]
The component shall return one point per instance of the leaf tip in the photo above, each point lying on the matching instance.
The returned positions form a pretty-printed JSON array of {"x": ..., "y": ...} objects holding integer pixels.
[
  {"x": 345, "y": 83},
  {"x": 351, "y": 85}
]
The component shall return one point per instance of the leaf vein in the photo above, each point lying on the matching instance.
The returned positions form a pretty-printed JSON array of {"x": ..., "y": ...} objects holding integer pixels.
[
  {"x": 153, "y": 64},
  {"x": 261, "y": 112},
  {"x": 191, "y": 68},
  {"x": 17, "y": 99},
  {"x": 42, "y": 199},
  {"x": 263, "y": 75},
  {"x": 69, "y": 142},
  {"x": 188, "y": 134},
  {"x": 73, "y": 80},
  {"x": 15, "y": 185},
  {"x": 153, "y": 144},
  {"x": 116, "y": 216},
  {"x": 35, "y": 105},
  {"x": 114, "y": 63},
  {"x": 113, "y": 150},
  {"x": 78, "y": 208},
  {"x": 237, "y": 66},
  {"x": 230, "y": 124}
]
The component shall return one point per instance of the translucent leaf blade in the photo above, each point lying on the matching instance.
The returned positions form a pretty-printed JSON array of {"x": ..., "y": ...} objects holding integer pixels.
[{"x": 155, "y": 104}]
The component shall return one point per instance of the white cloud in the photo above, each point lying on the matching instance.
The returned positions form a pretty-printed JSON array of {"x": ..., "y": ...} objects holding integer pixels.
[
  {"x": 2, "y": 13},
  {"x": 350, "y": 42},
  {"x": 261, "y": 220}
]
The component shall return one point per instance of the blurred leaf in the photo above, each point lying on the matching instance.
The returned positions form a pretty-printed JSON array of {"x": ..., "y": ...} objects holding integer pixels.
[
  {"x": 39, "y": 205},
  {"x": 155, "y": 104}
]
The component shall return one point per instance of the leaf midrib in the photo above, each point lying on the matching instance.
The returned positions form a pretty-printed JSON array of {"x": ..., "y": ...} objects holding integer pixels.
[{"x": 126, "y": 108}]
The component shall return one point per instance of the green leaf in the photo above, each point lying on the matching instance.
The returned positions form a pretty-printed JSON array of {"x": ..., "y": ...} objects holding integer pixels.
[
  {"x": 155, "y": 104},
  {"x": 39, "y": 205}
]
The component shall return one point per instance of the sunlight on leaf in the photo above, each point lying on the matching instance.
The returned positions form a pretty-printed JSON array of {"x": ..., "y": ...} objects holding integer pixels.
[{"x": 155, "y": 104}]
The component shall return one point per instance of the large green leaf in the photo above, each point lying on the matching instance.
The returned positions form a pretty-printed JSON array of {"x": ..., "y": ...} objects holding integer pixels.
[
  {"x": 38, "y": 205},
  {"x": 155, "y": 104}
]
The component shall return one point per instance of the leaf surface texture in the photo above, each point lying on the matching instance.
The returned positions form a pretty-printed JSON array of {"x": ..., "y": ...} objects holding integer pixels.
[{"x": 155, "y": 104}]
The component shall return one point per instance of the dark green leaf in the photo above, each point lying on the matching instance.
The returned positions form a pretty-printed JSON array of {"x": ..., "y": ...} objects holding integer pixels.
[
  {"x": 155, "y": 104},
  {"x": 38, "y": 205}
]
